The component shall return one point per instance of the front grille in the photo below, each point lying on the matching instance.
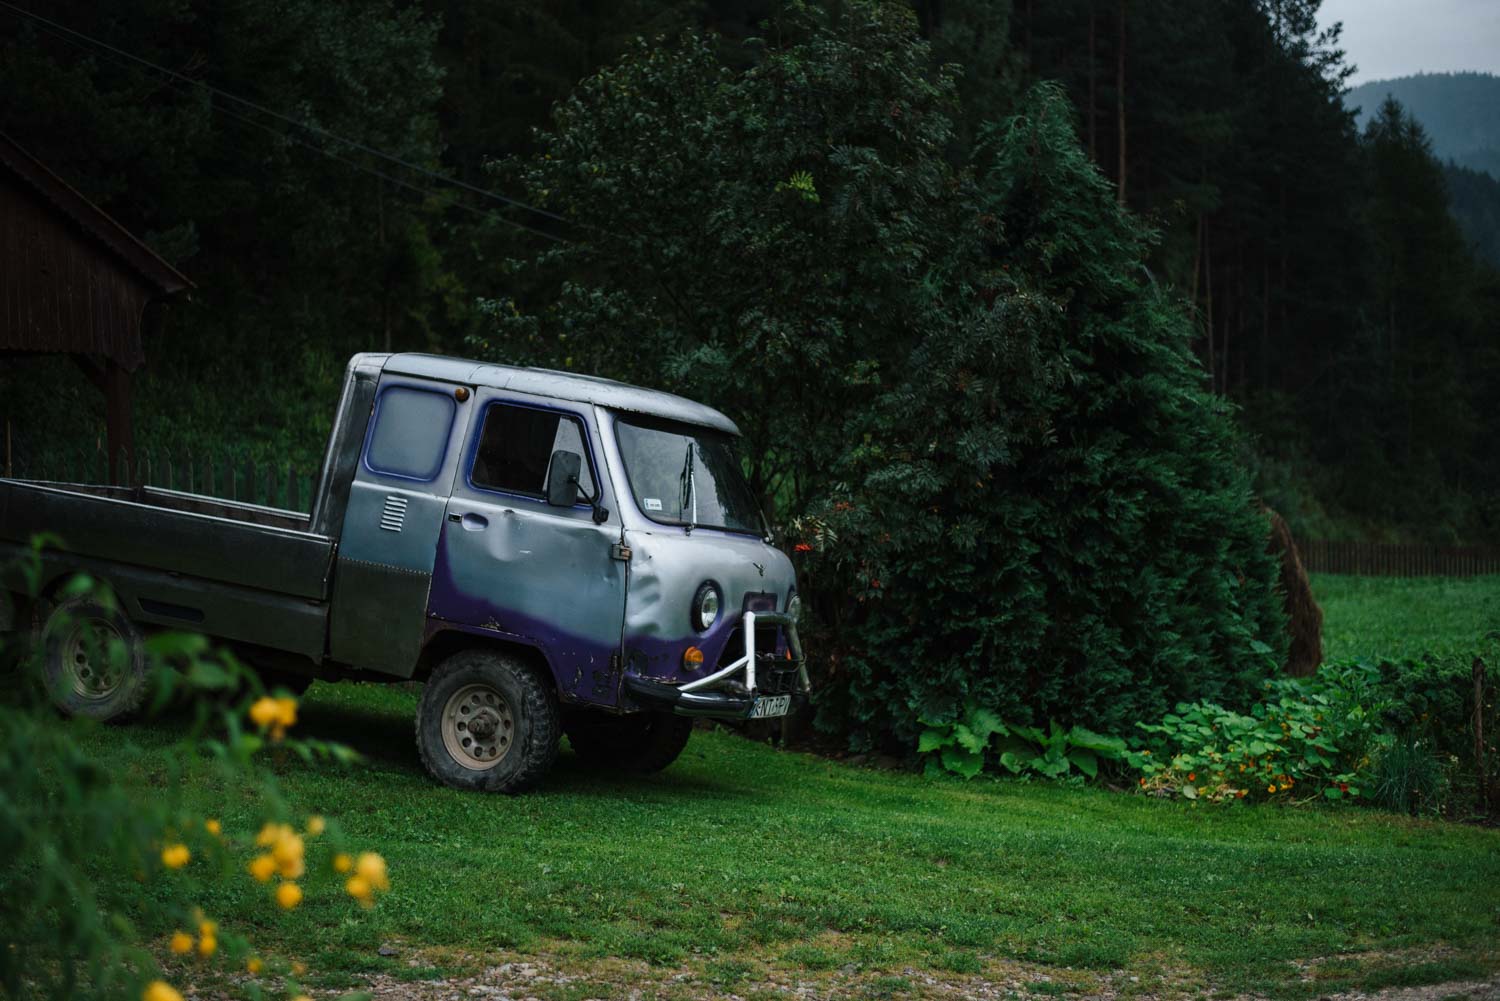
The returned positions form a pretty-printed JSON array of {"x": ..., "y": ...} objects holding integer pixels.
[
  {"x": 767, "y": 641},
  {"x": 774, "y": 676}
]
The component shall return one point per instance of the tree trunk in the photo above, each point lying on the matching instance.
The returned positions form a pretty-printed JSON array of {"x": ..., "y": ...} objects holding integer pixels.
[
  {"x": 1208, "y": 294},
  {"x": 1120, "y": 101},
  {"x": 1265, "y": 322},
  {"x": 1093, "y": 75}
]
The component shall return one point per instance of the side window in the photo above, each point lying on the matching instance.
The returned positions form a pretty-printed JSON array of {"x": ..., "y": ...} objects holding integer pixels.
[
  {"x": 411, "y": 433},
  {"x": 516, "y": 446}
]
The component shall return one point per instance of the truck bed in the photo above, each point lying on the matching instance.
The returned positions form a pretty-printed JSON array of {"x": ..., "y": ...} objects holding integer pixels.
[
  {"x": 238, "y": 571},
  {"x": 241, "y": 544}
]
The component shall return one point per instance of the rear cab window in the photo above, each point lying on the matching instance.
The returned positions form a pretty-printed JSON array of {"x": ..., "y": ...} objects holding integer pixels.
[{"x": 409, "y": 433}]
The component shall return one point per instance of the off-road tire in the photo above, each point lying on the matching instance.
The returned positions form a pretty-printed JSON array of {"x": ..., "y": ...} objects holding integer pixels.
[
  {"x": 81, "y": 681},
  {"x": 522, "y": 696},
  {"x": 641, "y": 742}
]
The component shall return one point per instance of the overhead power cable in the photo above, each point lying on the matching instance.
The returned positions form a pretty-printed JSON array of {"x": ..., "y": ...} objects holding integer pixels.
[{"x": 71, "y": 34}]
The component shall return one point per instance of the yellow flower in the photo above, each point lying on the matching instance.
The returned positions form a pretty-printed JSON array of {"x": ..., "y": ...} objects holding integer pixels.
[
  {"x": 213, "y": 827},
  {"x": 298, "y": 967},
  {"x": 315, "y": 826},
  {"x": 288, "y": 895},
  {"x": 262, "y": 867},
  {"x": 160, "y": 990},
  {"x": 372, "y": 868},
  {"x": 288, "y": 853},
  {"x": 277, "y": 714},
  {"x": 254, "y": 965},
  {"x": 182, "y": 943},
  {"x": 264, "y": 711},
  {"x": 342, "y": 862},
  {"x": 175, "y": 856},
  {"x": 301, "y": 997},
  {"x": 359, "y": 888},
  {"x": 207, "y": 945},
  {"x": 1271, "y": 787},
  {"x": 207, "y": 927},
  {"x": 270, "y": 833}
]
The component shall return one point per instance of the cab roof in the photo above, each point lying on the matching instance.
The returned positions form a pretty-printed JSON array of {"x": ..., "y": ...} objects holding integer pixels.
[{"x": 559, "y": 386}]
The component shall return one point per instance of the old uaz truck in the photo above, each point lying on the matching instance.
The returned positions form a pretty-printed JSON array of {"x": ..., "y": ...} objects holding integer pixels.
[{"x": 549, "y": 553}]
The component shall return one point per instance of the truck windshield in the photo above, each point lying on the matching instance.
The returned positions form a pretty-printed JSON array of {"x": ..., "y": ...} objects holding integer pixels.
[{"x": 686, "y": 475}]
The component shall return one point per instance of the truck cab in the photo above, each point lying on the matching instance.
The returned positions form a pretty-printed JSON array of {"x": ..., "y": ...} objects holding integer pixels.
[{"x": 548, "y": 552}]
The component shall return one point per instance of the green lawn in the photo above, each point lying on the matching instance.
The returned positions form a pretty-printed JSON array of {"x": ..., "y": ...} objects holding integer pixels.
[
  {"x": 1398, "y": 617},
  {"x": 744, "y": 867}
]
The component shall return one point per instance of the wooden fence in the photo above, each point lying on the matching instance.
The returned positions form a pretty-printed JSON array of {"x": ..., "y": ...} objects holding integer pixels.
[
  {"x": 224, "y": 474},
  {"x": 1380, "y": 559}
]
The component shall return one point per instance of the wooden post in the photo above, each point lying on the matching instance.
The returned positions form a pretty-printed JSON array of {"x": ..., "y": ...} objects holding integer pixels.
[
  {"x": 118, "y": 430},
  {"x": 1484, "y": 775}
]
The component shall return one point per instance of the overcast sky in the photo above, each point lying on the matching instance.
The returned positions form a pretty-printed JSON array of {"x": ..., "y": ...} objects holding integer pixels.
[{"x": 1390, "y": 38}]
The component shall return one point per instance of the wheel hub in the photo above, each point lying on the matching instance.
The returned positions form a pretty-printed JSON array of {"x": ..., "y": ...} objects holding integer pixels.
[
  {"x": 478, "y": 727},
  {"x": 90, "y": 655}
]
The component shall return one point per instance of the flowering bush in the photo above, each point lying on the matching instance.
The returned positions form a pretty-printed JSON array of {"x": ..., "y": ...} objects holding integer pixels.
[
  {"x": 1282, "y": 747},
  {"x": 79, "y": 837},
  {"x": 1401, "y": 735}
]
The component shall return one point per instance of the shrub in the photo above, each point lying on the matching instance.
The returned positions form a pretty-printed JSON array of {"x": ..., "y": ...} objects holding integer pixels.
[
  {"x": 958, "y": 369},
  {"x": 1286, "y": 745},
  {"x": 99, "y": 874},
  {"x": 1397, "y": 734}
]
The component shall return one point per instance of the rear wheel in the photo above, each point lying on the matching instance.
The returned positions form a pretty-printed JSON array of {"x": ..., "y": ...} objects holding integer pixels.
[
  {"x": 94, "y": 660},
  {"x": 487, "y": 721},
  {"x": 641, "y": 742}
]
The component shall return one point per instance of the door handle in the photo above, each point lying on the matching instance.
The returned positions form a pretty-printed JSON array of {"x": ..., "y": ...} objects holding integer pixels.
[{"x": 474, "y": 522}]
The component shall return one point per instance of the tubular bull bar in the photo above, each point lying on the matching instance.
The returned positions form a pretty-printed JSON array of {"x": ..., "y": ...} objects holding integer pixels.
[{"x": 705, "y": 697}]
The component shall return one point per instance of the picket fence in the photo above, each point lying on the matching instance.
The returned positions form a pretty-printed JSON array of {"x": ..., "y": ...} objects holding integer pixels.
[
  {"x": 224, "y": 475},
  {"x": 1379, "y": 559}
]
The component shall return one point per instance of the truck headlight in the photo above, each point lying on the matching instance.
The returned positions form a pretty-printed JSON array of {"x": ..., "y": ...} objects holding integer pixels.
[
  {"x": 794, "y": 608},
  {"x": 706, "y": 606}
]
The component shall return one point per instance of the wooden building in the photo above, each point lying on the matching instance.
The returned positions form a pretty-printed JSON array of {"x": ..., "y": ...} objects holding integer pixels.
[{"x": 73, "y": 281}]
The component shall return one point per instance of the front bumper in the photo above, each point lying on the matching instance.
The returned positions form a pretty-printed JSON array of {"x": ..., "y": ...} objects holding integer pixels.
[{"x": 707, "y": 697}]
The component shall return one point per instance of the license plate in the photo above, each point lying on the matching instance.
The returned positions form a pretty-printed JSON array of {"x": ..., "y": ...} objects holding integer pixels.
[{"x": 776, "y": 705}]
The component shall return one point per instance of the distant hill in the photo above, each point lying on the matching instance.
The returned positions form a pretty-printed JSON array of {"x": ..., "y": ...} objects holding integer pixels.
[
  {"x": 1460, "y": 111},
  {"x": 1475, "y": 199}
]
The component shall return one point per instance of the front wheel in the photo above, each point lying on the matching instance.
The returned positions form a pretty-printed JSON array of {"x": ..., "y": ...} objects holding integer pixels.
[
  {"x": 487, "y": 722},
  {"x": 641, "y": 742}
]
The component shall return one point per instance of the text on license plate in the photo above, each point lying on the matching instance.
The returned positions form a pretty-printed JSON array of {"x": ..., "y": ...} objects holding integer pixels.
[{"x": 775, "y": 705}]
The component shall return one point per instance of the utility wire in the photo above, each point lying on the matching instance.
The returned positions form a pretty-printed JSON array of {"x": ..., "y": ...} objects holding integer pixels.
[
  {"x": 173, "y": 74},
  {"x": 446, "y": 199}
]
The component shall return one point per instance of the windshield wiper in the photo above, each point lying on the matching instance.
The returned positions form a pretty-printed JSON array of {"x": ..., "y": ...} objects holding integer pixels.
[{"x": 688, "y": 495}]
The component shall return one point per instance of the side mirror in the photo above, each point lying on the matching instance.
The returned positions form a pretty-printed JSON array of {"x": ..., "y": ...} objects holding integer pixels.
[{"x": 562, "y": 478}]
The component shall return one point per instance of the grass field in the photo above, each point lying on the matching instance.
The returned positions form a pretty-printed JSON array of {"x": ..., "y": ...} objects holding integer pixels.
[
  {"x": 1394, "y": 617},
  {"x": 751, "y": 870}
]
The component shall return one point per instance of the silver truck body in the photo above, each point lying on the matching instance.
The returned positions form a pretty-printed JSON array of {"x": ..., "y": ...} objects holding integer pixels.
[{"x": 408, "y": 555}]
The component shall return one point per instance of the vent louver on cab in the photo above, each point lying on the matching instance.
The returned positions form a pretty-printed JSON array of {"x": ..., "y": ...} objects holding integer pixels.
[{"x": 393, "y": 517}]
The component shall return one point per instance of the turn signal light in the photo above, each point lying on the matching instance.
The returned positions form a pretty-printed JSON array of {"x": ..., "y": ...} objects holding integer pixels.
[{"x": 692, "y": 658}]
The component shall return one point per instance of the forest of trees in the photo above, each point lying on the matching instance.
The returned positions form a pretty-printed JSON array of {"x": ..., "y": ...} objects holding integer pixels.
[
  {"x": 1334, "y": 300},
  {"x": 1020, "y": 307}
]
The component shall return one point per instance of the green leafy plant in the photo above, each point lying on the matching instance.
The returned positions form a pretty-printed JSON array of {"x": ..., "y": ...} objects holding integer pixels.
[
  {"x": 1026, "y": 750},
  {"x": 959, "y": 746},
  {"x": 965, "y": 745}
]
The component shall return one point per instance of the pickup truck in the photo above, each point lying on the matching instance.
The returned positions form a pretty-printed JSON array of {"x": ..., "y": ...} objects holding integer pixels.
[{"x": 548, "y": 553}]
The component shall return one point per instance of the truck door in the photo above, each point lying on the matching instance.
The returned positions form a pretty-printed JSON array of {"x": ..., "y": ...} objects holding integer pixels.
[
  {"x": 511, "y": 565},
  {"x": 391, "y": 525}
]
